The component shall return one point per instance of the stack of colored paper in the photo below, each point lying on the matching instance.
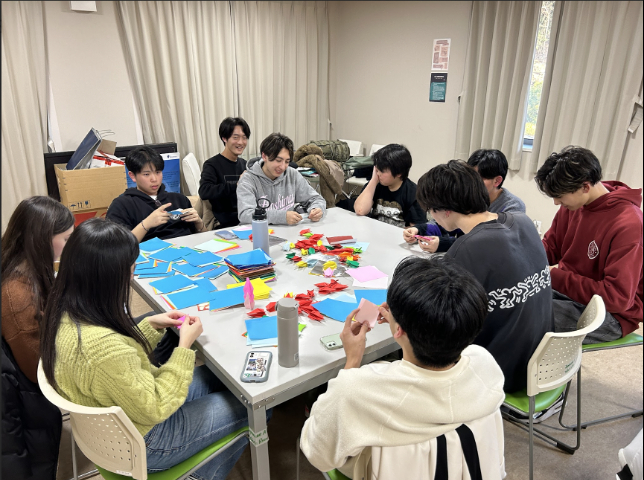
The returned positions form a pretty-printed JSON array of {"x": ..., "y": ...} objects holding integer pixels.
[
  {"x": 253, "y": 264},
  {"x": 261, "y": 291},
  {"x": 153, "y": 245}
]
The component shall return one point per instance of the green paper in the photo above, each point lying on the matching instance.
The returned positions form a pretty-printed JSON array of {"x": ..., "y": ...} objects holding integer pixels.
[
  {"x": 301, "y": 326},
  {"x": 308, "y": 235},
  {"x": 290, "y": 255},
  {"x": 311, "y": 250},
  {"x": 353, "y": 263},
  {"x": 357, "y": 250}
]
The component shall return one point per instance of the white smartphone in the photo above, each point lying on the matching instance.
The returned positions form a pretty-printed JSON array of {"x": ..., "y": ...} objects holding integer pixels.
[
  {"x": 331, "y": 342},
  {"x": 256, "y": 367}
]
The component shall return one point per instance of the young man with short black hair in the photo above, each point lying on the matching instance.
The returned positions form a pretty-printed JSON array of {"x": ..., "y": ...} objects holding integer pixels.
[
  {"x": 390, "y": 196},
  {"x": 284, "y": 187},
  {"x": 434, "y": 309},
  {"x": 220, "y": 174},
  {"x": 144, "y": 209},
  {"x": 504, "y": 252},
  {"x": 492, "y": 166},
  {"x": 594, "y": 245}
]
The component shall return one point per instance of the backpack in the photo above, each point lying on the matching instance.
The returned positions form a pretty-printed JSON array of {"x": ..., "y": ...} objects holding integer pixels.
[{"x": 333, "y": 149}]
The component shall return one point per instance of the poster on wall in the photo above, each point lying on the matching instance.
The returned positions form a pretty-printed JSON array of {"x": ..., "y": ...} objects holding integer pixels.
[
  {"x": 438, "y": 87},
  {"x": 440, "y": 54}
]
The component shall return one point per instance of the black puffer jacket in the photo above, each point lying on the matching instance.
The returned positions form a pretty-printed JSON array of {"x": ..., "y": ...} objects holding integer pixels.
[{"x": 31, "y": 426}]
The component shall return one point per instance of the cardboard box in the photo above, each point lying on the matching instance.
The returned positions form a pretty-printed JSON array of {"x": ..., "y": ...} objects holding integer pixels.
[{"x": 90, "y": 188}]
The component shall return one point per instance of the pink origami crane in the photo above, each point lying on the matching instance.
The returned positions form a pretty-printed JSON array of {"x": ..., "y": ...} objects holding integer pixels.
[{"x": 249, "y": 295}]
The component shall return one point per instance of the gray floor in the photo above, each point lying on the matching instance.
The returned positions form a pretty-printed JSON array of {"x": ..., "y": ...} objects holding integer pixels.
[{"x": 611, "y": 382}]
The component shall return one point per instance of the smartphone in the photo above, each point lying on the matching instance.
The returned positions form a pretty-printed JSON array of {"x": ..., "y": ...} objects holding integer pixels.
[
  {"x": 256, "y": 367},
  {"x": 226, "y": 235},
  {"x": 331, "y": 342}
]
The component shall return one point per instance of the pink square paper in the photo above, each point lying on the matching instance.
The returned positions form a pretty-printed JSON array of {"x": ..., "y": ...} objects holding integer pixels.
[{"x": 365, "y": 274}]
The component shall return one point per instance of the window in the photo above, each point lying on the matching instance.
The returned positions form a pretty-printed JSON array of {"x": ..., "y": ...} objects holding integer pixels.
[{"x": 538, "y": 71}]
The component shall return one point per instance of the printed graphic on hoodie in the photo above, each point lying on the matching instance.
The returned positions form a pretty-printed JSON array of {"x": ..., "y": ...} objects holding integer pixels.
[
  {"x": 389, "y": 212},
  {"x": 593, "y": 250},
  {"x": 282, "y": 203},
  {"x": 509, "y": 297}
]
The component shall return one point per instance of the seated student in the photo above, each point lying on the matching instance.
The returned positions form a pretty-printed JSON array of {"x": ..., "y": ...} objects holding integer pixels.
[
  {"x": 504, "y": 252},
  {"x": 31, "y": 426},
  {"x": 390, "y": 196},
  {"x": 594, "y": 245},
  {"x": 493, "y": 168},
  {"x": 94, "y": 354},
  {"x": 284, "y": 187},
  {"x": 434, "y": 309},
  {"x": 220, "y": 173},
  {"x": 144, "y": 209}
]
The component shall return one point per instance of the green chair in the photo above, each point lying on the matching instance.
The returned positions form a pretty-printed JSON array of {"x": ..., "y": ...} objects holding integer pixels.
[
  {"x": 550, "y": 370},
  {"x": 335, "y": 475},
  {"x": 108, "y": 438},
  {"x": 630, "y": 340}
]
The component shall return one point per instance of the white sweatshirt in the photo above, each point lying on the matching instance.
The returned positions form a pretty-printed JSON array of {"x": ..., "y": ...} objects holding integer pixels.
[{"x": 396, "y": 404}]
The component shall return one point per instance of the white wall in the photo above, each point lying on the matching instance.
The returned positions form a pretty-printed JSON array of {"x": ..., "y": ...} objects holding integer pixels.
[{"x": 89, "y": 79}]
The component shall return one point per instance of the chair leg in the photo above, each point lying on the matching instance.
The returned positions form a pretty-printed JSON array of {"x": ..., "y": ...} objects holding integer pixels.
[
  {"x": 544, "y": 436},
  {"x": 531, "y": 439},
  {"x": 74, "y": 467}
]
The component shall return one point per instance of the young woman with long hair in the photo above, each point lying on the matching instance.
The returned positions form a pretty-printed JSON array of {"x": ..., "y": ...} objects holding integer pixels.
[
  {"x": 95, "y": 355},
  {"x": 35, "y": 237},
  {"x": 31, "y": 426}
]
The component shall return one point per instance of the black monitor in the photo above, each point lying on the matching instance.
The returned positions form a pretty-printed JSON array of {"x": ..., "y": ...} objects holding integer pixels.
[{"x": 55, "y": 158}]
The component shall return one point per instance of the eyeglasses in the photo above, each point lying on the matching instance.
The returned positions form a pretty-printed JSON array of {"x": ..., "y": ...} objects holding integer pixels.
[{"x": 237, "y": 138}]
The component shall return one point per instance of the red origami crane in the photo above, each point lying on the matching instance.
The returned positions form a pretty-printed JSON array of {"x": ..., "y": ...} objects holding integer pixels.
[
  {"x": 331, "y": 287},
  {"x": 257, "y": 313}
]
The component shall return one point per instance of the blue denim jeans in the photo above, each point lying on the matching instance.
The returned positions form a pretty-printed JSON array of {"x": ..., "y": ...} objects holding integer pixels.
[{"x": 209, "y": 413}]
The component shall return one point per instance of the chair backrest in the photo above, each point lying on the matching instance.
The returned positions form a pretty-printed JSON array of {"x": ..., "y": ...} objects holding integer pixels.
[
  {"x": 106, "y": 436},
  {"x": 192, "y": 173},
  {"x": 558, "y": 356},
  {"x": 355, "y": 147},
  {"x": 374, "y": 148}
]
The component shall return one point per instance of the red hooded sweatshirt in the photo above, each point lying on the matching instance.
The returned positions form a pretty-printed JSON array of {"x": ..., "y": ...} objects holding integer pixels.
[{"x": 599, "y": 251}]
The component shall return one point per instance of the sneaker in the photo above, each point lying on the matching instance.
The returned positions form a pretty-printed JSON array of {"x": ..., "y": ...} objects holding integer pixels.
[{"x": 539, "y": 416}]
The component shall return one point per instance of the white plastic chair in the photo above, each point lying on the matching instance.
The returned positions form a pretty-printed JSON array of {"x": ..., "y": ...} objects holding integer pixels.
[
  {"x": 109, "y": 439},
  {"x": 192, "y": 173},
  {"x": 374, "y": 148},
  {"x": 552, "y": 366},
  {"x": 355, "y": 147}
]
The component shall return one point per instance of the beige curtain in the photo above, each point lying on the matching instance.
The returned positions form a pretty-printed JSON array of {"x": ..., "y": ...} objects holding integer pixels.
[
  {"x": 180, "y": 58},
  {"x": 282, "y": 51},
  {"x": 194, "y": 63},
  {"x": 24, "y": 104},
  {"x": 592, "y": 81},
  {"x": 497, "y": 75}
]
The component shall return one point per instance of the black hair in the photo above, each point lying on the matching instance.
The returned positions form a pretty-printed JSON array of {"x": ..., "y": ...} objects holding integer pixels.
[
  {"x": 273, "y": 144},
  {"x": 138, "y": 158},
  {"x": 440, "y": 305},
  {"x": 490, "y": 164},
  {"x": 93, "y": 286},
  {"x": 567, "y": 171},
  {"x": 27, "y": 244},
  {"x": 453, "y": 186},
  {"x": 395, "y": 158},
  {"x": 227, "y": 127}
]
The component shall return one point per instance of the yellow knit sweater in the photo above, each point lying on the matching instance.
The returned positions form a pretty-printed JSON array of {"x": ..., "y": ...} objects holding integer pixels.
[{"x": 109, "y": 369}]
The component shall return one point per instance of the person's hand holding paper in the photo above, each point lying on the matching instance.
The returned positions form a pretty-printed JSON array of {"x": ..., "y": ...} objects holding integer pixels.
[{"x": 354, "y": 340}]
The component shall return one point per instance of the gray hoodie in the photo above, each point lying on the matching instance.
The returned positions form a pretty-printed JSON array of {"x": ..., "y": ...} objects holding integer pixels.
[{"x": 284, "y": 192}]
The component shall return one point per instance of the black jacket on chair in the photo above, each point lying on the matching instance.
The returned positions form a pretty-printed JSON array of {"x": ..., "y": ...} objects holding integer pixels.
[{"x": 31, "y": 426}]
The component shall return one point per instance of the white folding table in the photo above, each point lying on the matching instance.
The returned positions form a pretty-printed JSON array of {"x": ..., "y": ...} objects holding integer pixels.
[{"x": 224, "y": 348}]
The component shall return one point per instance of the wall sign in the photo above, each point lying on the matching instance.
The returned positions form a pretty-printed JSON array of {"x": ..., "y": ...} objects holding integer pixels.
[{"x": 437, "y": 87}]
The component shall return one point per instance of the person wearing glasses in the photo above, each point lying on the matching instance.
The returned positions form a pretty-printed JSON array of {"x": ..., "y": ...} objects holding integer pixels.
[
  {"x": 146, "y": 209},
  {"x": 221, "y": 173}
]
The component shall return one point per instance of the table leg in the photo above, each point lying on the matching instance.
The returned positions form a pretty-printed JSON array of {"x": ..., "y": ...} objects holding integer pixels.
[{"x": 259, "y": 443}]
